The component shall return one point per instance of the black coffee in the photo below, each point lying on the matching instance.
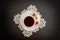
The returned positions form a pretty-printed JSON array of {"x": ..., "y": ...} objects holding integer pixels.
[{"x": 28, "y": 21}]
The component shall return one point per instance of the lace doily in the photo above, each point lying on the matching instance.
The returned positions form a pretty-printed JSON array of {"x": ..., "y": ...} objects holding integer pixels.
[{"x": 19, "y": 19}]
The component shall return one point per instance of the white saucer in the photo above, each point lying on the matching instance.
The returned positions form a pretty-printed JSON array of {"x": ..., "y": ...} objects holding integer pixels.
[{"x": 24, "y": 15}]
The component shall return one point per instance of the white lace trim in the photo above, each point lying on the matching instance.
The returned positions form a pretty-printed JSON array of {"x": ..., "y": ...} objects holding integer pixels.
[{"x": 29, "y": 33}]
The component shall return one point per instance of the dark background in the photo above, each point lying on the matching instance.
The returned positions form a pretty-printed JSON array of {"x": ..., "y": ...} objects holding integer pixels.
[{"x": 48, "y": 9}]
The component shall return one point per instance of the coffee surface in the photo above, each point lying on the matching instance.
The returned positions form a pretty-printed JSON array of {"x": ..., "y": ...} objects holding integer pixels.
[{"x": 28, "y": 21}]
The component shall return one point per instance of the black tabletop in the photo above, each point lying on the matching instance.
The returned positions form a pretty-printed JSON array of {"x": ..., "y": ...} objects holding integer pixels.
[{"x": 48, "y": 10}]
